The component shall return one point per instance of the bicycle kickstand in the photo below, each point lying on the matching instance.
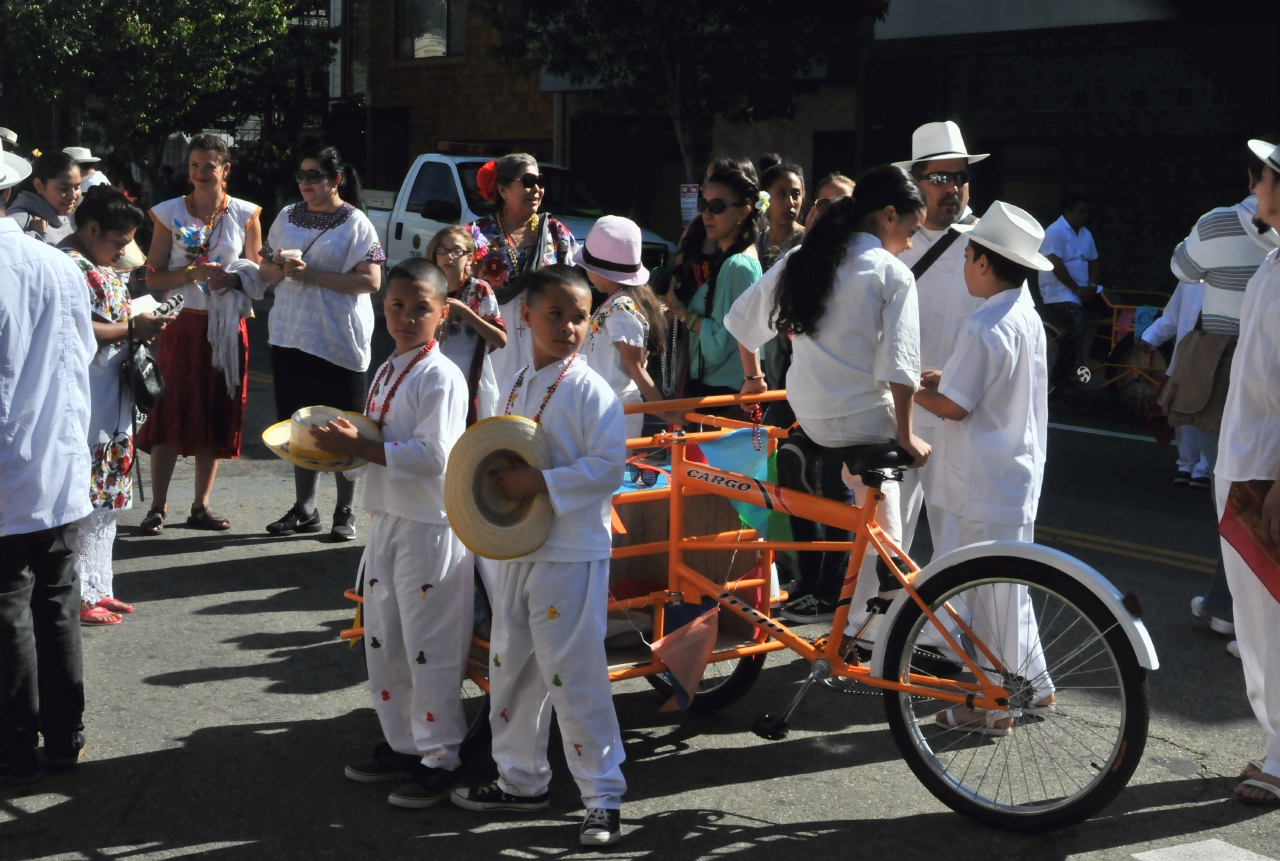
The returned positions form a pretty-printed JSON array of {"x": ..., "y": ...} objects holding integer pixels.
[{"x": 775, "y": 728}]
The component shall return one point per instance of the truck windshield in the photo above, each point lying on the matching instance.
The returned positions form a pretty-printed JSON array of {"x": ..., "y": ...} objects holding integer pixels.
[{"x": 564, "y": 194}]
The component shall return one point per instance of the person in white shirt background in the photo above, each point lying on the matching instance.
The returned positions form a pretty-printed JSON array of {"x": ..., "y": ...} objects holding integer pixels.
[
  {"x": 46, "y": 345},
  {"x": 419, "y": 585},
  {"x": 1071, "y": 288},
  {"x": 993, "y": 392},
  {"x": 1249, "y": 449},
  {"x": 940, "y": 162},
  {"x": 1179, "y": 317},
  {"x": 89, "y": 173},
  {"x": 850, "y": 306}
]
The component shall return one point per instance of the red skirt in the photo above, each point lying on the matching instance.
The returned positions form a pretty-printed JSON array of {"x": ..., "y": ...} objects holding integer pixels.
[{"x": 196, "y": 411}]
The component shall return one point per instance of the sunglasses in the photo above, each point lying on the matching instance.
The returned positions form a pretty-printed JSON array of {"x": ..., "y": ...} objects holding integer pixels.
[
  {"x": 529, "y": 180},
  {"x": 312, "y": 176},
  {"x": 715, "y": 206},
  {"x": 942, "y": 177}
]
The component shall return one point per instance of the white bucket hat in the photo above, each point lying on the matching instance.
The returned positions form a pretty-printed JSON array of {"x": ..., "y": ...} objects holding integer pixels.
[
  {"x": 81, "y": 154},
  {"x": 612, "y": 250},
  {"x": 13, "y": 170},
  {"x": 935, "y": 141},
  {"x": 1010, "y": 232},
  {"x": 1268, "y": 152}
]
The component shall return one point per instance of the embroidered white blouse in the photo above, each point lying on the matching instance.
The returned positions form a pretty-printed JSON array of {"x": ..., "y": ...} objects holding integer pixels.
[
  {"x": 226, "y": 244},
  {"x": 583, "y": 422},
  {"x": 335, "y": 326},
  {"x": 618, "y": 321},
  {"x": 424, "y": 420}
]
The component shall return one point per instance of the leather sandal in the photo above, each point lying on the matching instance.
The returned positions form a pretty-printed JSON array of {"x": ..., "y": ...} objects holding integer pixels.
[
  {"x": 153, "y": 523},
  {"x": 1271, "y": 799},
  {"x": 202, "y": 518}
]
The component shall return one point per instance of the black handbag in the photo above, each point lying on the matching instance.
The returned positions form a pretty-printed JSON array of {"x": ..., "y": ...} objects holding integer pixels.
[{"x": 142, "y": 377}]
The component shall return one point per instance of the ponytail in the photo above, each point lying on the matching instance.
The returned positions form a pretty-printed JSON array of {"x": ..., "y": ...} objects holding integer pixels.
[{"x": 808, "y": 276}]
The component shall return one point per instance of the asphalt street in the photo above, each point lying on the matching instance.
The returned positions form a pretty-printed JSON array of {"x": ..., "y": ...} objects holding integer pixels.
[{"x": 221, "y": 713}]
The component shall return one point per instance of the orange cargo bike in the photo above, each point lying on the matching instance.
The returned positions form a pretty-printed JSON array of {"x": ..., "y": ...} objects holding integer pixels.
[{"x": 941, "y": 643}]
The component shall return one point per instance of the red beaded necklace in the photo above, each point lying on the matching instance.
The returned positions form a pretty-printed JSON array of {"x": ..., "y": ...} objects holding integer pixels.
[
  {"x": 511, "y": 399},
  {"x": 385, "y": 371}
]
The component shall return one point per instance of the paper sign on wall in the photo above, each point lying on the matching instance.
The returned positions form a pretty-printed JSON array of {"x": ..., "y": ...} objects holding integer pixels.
[{"x": 688, "y": 202}]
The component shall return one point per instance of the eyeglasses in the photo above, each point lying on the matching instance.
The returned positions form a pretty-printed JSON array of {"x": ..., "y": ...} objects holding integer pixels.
[
  {"x": 942, "y": 177},
  {"x": 312, "y": 176},
  {"x": 529, "y": 180},
  {"x": 822, "y": 203},
  {"x": 716, "y": 205},
  {"x": 452, "y": 253}
]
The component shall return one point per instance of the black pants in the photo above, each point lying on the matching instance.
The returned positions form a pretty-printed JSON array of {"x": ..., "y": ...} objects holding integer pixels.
[
  {"x": 1072, "y": 321},
  {"x": 804, "y": 465},
  {"x": 41, "y": 662}
]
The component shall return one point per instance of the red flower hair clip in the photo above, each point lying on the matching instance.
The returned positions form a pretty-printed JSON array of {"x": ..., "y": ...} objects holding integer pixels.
[{"x": 487, "y": 180}]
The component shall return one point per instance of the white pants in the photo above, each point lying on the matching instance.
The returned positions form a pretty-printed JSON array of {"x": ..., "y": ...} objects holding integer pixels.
[
  {"x": 1001, "y": 616},
  {"x": 1190, "y": 456},
  {"x": 889, "y": 519},
  {"x": 918, "y": 487},
  {"x": 1257, "y": 618},
  {"x": 419, "y": 588},
  {"x": 547, "y": 652},
  {"x": 93, "y": 556}
]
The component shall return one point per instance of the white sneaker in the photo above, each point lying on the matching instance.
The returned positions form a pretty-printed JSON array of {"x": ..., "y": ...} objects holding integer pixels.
[
  {"x": 1200, "y": 609},
  {"x": 1233, "y": 649},
  {"x": 1222, "y": 626}
]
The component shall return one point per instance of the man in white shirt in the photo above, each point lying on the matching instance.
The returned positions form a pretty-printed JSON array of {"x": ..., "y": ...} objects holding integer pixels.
[
  {"x": 936, "y": 259},
  {"x": 89, "y": 173},
  {"x": 46, "y": 345},
  {"x": 1072, "y": 285}
]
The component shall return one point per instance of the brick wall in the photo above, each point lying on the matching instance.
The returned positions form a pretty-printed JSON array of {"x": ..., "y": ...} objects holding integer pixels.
[{"x": 472, "y": 98}]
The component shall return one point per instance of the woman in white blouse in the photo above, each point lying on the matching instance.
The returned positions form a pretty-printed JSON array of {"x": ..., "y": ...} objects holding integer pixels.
[{"x": 324, "y": 256}]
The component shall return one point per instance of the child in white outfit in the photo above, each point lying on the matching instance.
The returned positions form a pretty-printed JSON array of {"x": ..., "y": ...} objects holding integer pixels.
[
  {"x": 418, "y": 577},
  {"x": 993, "y": 392},
  {"x": 550, "y": 607}
]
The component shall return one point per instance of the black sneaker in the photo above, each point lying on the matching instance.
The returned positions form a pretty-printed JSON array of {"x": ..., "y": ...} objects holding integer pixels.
[
  {"x": 1182, "y": 478},
  {"x": 1202, "y": 483},
  {"x": 601, "y": 827},
  {"x": 491, "y": 797},
  {"x": 23, "y": 767},
  {"x": 344, "y": 524},
  {"x": 64, "y": 756},
  {"x": 385, "y": 764},
  {"x": 297, "y": 520},
  {"x": 429, "y": 787},
  {"x": 808, "y": 609}
]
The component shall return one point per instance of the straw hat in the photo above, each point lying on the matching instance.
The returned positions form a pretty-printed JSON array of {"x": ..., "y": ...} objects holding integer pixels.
[
  {"x": 13, "y": 170},
  {"x": 937, "y": 142},
  {"x": 1010, "y": 232},
  {"x": 131, "y": 258},
  {"x": 1268, "y": 152},
  {"x": 292, "y": 440},
  {"x": 484, "y": 520},
  {"x": 81, "y": 154}
]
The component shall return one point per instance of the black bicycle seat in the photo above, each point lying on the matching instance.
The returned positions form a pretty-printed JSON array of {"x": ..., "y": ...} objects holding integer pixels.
[{"x": 864, "y": 458}]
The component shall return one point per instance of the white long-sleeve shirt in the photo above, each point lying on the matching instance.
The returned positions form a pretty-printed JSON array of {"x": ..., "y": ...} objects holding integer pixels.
[
  {"x": 1249, "y": 445},
  {"x": 1177, "y": 319},
  {"x": 1222, "y": 252},
  {"x": 46, "y": 345},
  {"x": 584, "y": 425},
  {"x": 424, "y": 420},
  {"x": 868, "y": 338}
]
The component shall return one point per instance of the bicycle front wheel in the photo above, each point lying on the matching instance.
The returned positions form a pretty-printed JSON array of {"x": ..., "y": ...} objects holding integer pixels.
[{"x": 1077, "y": 723}]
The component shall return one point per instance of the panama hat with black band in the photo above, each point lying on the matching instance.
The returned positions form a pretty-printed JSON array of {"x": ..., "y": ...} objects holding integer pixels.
[
  {"x": 612, "y": 251},
  {"x": 939, "y": 142},
  {"x": 1010, "y": 232}
]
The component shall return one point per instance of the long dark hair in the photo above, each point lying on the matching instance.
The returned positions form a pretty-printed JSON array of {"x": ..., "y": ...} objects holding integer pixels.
[
  {"x": 331, "y": 164},
  {"x": 748, "y": 192},
  {"x": 109, "y": 209},
  {"x": 696, "y": 233},
  {"x": 809, "y": 275},
  {"x": 45, "y": 167},
  {"x": 647, "y": 301}
]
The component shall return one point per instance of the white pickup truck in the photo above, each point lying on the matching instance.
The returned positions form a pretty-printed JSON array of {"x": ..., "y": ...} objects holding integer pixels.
[{"x": 441, "y": 189}]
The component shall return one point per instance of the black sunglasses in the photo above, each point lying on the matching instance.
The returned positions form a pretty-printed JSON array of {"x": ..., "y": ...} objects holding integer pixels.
[
  {"x": 312, "y": 175},
  {"x": 716, "y": 205},
  {"x": 942, "y": 177},
  {"x": 529, "y": 180}
]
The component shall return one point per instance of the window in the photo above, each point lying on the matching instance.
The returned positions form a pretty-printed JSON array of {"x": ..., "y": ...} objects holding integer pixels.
[
  {"x": 434, "y": 195},
  {"x": 430, "y": 28}
]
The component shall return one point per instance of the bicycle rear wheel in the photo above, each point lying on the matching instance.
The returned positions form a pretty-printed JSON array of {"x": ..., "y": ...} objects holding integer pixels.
[
  {"x": 1053, "y": 768},
  {"x": 723, "y": 683}
]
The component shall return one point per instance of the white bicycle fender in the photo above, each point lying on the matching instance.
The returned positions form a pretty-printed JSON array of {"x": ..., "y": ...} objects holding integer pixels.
[{"x": 1134, "y": 629}]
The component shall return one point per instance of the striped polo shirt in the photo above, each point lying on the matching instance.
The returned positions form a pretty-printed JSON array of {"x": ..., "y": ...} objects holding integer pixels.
[{"x": 1223, "y": 252}]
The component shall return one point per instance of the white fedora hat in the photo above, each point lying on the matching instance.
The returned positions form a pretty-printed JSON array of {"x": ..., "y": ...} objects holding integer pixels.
[
  {"x": 13, "y": 170},
  {"x": 612, "y": 250},
  {"x": 489, "y": 524},
  {"x": 1010, "y": 232},
  {"x": 81, "y": 154},
  {"x": 9, "y": 136},
  {"x": 934, "y": 141},
  {"x": 292, "y": 440},
  {"x": 1268, "y": 152}
]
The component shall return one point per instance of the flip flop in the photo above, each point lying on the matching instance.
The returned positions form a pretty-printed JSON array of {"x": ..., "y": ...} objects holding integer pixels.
[
  {"x": 96, "y": 617},
  {"x": 1270, "y": 788},
  {"x": 153, "y": 523},
  {"x": 114, "y": 605},
  {"x": 984, "y": 722}
]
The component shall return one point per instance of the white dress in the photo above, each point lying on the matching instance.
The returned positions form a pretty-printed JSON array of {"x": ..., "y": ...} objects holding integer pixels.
[
  {"x": 618, "y": 321},
  {"x": 334, "y": 326},
  {"x": 190, "y": 234}
]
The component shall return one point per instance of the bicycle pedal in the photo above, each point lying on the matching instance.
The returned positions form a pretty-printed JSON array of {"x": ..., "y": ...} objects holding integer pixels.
[{"x": 771, "y": 728}]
